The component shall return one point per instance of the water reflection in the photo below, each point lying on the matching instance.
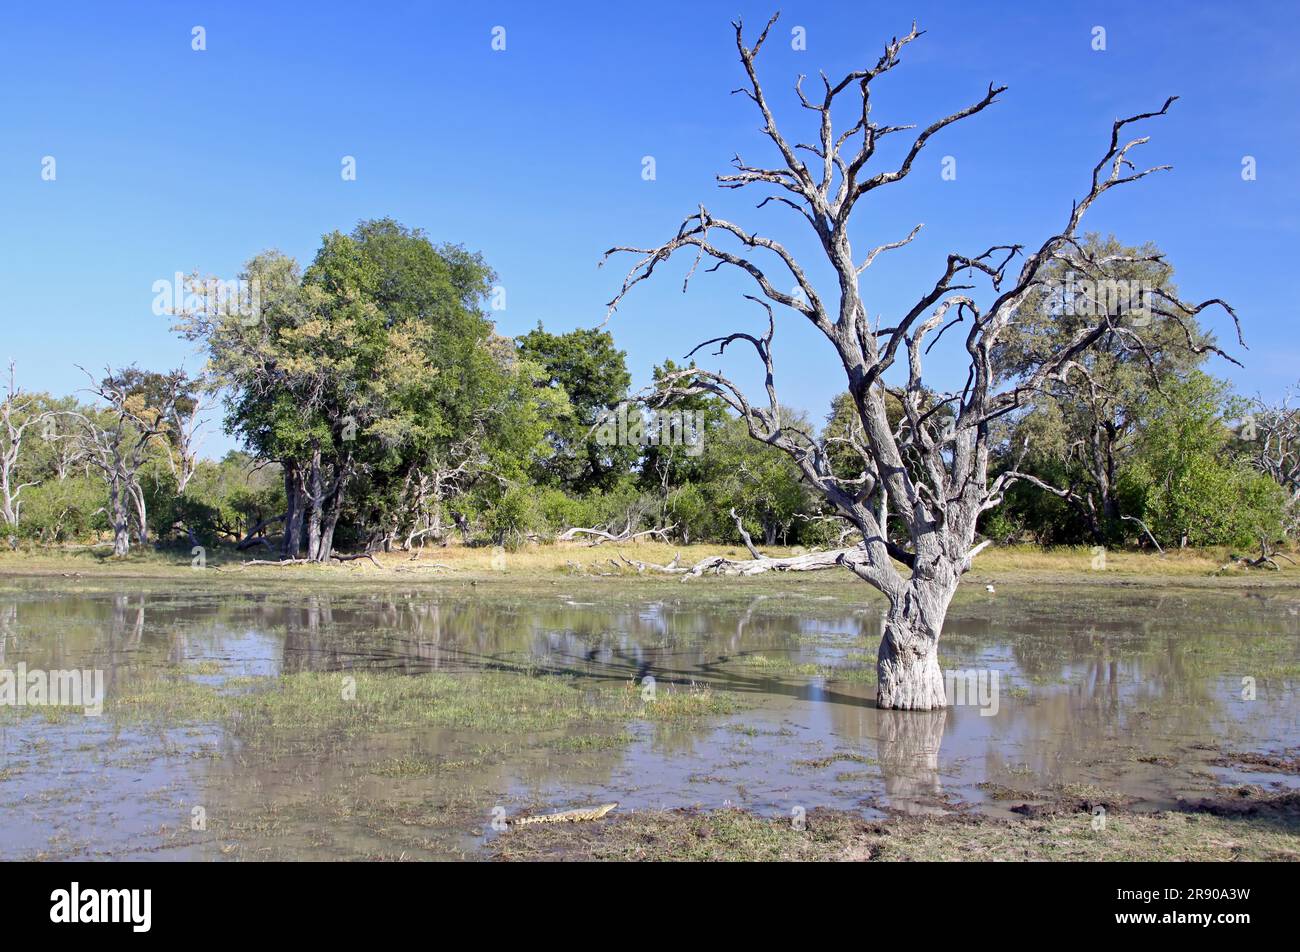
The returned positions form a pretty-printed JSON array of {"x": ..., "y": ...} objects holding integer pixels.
[{"x": 909, "y": 758}]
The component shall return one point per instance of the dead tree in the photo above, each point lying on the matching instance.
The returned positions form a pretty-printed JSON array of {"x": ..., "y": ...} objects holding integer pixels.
[
  {"x": 185, "y": 401},
  {"x": 599, "y": 536},
  {"x": 16, "y": 415},
  {"x": 935, "y": 463},
  {"x": 1273, "y": 431},
  {"x": 116, "y": 441},
  {"x": 431, "y": 483}
]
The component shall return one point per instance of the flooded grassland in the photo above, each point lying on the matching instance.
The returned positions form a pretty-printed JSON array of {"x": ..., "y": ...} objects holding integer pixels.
[{"x": 728, "y": 720}]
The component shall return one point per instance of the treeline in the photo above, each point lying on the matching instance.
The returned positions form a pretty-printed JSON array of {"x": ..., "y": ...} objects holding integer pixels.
[{"x": 377, "y": 408}]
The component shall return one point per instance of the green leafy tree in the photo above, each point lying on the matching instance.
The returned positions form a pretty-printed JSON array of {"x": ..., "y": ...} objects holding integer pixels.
[
  {"x": 670, "y": 466},
  {"x": 1187, "y": 484},
  {"x": 375, "y": 381},
  {"x": 1080, "y": 427},
  {"x": 593, "y": 374},
  {"x": 273, "y": 390}
]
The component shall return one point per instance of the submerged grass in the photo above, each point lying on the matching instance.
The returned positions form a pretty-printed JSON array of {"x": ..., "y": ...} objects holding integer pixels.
[
  {"x": 839, "y": 755},
  {"x": 1259, "y": 657},
  {"x": 348, "y": 703},
  {"x": 585, "y": 742},
  {"x": 861, "y": 671}
]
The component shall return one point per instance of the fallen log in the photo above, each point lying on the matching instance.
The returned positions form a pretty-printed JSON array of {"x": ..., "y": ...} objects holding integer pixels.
[
  {"x": 355, "y": 556},
  {"x": 722, "y": 565},
  {"x": 1267, "y": 554},
  {"x": 601, "y": 536},
  {"x": 253, "y": 538}
]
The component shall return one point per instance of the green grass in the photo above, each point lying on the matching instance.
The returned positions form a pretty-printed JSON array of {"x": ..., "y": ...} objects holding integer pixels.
[
  {"x": 328, "y": 705},
  {"x": 205, "y": 666},
  {"x": 861, "y": 670}
]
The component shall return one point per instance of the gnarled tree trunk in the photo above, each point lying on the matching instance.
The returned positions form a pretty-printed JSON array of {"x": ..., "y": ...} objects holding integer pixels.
[{"x": 907, "y": 665}]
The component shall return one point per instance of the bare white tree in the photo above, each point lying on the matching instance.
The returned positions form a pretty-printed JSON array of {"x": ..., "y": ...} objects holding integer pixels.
[
  {"x": 15, "y": 419},
  {"x": 934, "y": 465},
  {"x": 430, "y": 484},
  {"x": 184, "y": 422},
  {"x": 1273, "y": 430}
]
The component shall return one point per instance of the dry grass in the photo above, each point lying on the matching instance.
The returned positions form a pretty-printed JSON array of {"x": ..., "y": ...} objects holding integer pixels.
[
  {"x": 550, "y": 563},
  {"x": 1004, "y": 560}
]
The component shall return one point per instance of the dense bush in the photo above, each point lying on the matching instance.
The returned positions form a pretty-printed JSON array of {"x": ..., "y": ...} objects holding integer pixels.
[{"x": 63, "y": 510}]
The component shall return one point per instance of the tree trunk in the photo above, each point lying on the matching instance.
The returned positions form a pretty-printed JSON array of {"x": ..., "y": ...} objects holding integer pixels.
[
  {"x": 7, "y": 508},
  {"x": 120, "y": 521},
  {"x": 327, "y": 536},
  {"x": 399, "y": 514},
  {"x": 293, "y": 510},
  {"x": 1110, "y": 506},
  {"x": 435, "y": 523},
  {"x": 137, "y": 496},
  {"x": 252, "y": 537},
  {"x": 462, "y": 523},
  {"x": 435, "y": 512},
  {"x": 315, "y": 498},
  {"x": 907, "y": 665},
  {"x": 335, "y": 509}
]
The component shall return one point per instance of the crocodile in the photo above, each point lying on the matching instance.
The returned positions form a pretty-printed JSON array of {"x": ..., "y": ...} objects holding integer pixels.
[{"x": 566, "y": 816}]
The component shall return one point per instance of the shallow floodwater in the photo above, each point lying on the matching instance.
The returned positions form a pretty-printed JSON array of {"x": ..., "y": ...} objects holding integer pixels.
[{"x": 1120, "y": 690}]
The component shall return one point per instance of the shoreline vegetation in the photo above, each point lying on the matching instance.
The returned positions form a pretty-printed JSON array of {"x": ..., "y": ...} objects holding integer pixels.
[{"x": 1018, "y": 564}]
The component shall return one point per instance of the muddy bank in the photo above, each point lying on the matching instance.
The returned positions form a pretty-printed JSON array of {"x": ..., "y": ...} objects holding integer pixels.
[{"x": 1247, "y": 824}]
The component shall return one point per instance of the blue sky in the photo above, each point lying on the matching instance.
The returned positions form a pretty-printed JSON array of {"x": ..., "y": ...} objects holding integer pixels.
[{"x": 172, "y": 160}]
